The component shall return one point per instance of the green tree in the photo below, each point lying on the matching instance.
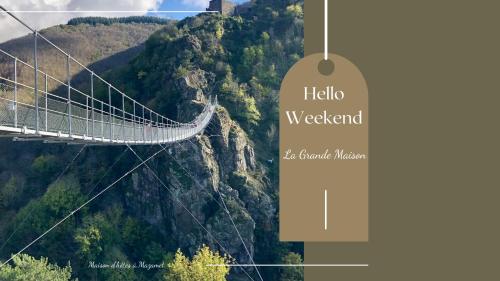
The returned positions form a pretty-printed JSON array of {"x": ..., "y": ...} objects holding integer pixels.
[
  {"x": 241, "y": 106},
  {"x": 62, "y": 197},
  {"x": 99, "y": 240},
  {"x": 89, "y": 242},
  {"x": 295, "y": 273},
  {"x": 45, "y": 166},
  {"x": 197, "y": 269},
  {"x": 134, "y": 233},
  {"x": 219, "y": 30},
  {"x": 265, "y": 36},
  {"x": 11, "y": 193},
  {"x": 109, "y": 21},
  {"x": 122, "y": 268},
  {"x": 295, "y": 10},
  {"x": 27, "y": 268},
  {"x": 99, "y": 233},
  {"x": 36, "y": 217},
  {"x": 252, "y": 56}
]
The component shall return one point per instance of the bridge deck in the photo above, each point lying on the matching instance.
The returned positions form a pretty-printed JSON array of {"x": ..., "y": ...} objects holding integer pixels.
[
  {"x": 89, "y": 126},
  {"x": 28, "y": 110}
]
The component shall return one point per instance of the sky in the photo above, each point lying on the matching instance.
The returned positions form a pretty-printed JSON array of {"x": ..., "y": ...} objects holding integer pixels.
[{"x": 10, "y": 29}]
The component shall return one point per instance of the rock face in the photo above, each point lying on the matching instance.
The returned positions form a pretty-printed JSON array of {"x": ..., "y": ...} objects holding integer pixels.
[{"x": 198, "y": 172}]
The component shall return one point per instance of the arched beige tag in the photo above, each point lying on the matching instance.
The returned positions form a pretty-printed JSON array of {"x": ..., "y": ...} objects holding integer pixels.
[{"x": 324, "y": 152}]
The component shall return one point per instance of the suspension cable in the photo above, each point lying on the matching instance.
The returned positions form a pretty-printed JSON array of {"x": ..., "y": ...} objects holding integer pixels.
[
  {"x": 107, "y": 171},
  {"x": 186, "y": 209},
  {"x": 31, "y": 211},
  {"x": 194, "y": 179},
  {"x": 81, "y": 206},
  {"x": 239, "y": 235},
  {"x": 227, "y": 212}
]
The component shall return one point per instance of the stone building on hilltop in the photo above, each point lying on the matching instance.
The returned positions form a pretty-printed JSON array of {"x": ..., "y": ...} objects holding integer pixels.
[{"x": 224, "y": 7}]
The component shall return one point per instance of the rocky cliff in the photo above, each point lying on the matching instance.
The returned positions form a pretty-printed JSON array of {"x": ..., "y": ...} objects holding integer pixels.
[
  {"x": 222, "y": 160},
  {"x": 239, "y": 58}
]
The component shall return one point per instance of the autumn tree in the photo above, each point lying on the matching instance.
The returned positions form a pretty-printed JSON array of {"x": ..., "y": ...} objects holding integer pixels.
[
  {"x": 292, "y": 273},
  {"x": 27, "y": 268},
  {"x": 198, "y": 269}
]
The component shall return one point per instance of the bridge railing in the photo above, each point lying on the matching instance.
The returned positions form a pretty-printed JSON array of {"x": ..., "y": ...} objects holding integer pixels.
[
  {"x": 35, "y": 100},
  {"x": 80, "y": 114},
  {"x": 70, "y": 63}
]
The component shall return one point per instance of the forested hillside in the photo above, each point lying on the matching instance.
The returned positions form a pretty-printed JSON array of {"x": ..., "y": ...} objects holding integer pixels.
[
  {"x": 99, "y": 45},
  {"x": 110, "y": 21},
  {"x": 240, "y": 58}
]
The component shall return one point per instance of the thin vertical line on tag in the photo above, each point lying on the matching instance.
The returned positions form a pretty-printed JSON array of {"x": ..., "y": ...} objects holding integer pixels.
[
  {"x": 326, "y": 209},
  {"x": 326, "y": 30}
]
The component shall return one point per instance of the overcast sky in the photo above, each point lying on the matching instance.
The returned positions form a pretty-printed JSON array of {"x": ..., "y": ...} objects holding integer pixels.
[{"x": 10, "y": 29}]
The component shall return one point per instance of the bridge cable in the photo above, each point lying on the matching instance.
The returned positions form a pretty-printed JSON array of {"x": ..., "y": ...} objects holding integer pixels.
[
  {"x": 81, "y": 206},
  {"x": 29, "y": 214},
  {"x": 107, "y": 171},
  {"x": 232, "y": 221},
  {"x": 186, "y": 209},
  {"x": 239, "y": 235},
  {"x": 194, "y": 180},
  {"x": 227, "y": 212}
]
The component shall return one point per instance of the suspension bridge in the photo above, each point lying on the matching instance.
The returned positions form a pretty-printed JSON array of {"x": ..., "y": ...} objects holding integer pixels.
[
  {"x": 44, "y": 107},
  {"x": 30, "y": 111}
]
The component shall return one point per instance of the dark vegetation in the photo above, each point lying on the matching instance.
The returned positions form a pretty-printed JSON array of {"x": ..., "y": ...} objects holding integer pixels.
[
  {"x": 245, "y": 56},
  {"x": 109, "y": 21}
]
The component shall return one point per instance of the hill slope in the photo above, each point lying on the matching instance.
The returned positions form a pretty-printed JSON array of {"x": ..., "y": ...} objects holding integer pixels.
[
  {"x": 240, "y": 58},
  {"x": 111, "y": 44}
]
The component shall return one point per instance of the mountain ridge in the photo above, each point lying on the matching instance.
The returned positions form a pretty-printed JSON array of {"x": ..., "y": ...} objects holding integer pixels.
[{"x": 241, "y": 59}]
